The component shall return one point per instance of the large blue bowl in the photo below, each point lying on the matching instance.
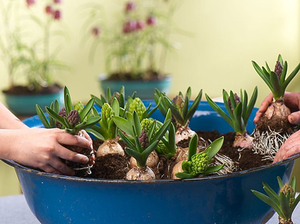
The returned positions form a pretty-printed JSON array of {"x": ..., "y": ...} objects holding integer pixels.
[{"x": 215, "y": 199}]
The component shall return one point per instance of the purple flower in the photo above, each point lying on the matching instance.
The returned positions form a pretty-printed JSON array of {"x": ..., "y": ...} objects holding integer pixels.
[
  {"x": 129, "y": 26},
  {"x": 57, "y": 15},
  {"x": 140, "y": 25},
  {"x": 30, "y": 2},
  {"x": 96, "y": 31},
  {"x": 130, "y": 6},
  {"x": 57, "y": 1},
  {"x": 151, "y": 21},
  {"x": 49, "y": 9}
]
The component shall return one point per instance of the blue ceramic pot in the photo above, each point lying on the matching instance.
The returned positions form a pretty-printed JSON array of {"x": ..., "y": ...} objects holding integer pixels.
[
  {"x": 144, "y": 89},
  {"x": 215, "y": 199},
  {"x": 25, "y": 104}
]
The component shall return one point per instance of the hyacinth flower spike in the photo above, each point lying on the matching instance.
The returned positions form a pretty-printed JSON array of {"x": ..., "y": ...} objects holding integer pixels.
[
  {"x": 283, "y": 203},
  {"x": 277, "y": 81},
  {"x": 198, "y": 164},
  {"x": 238, "y": 113},
  {"x": 139, "y": 144},
  {"x": 181, "y": 111}
]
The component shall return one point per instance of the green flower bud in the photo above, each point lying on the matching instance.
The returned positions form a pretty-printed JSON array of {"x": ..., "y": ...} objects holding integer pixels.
[
  {"x": 287, "y": 188},
  {"x": 106, "y": 113},
  {"x": 199, "y": 162},
  {"x": 178, "y": 102},
  {"x": 138, "y": 106}
]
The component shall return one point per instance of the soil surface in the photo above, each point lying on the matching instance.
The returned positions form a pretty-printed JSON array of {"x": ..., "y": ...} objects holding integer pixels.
[
  {"x": 25, "y": 90},
  {"x": 116, "y": 166},
  {"x": 147, "y": 76}
]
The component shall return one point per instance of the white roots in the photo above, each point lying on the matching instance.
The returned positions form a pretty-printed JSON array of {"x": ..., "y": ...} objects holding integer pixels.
[
  {"x": 268, "y": 143},
  {"x": 152, "y": 160},
  {"x": 140, "y": 173},
  {"x": 229, "y": 167},
  {"x": 110, "y": 146}
]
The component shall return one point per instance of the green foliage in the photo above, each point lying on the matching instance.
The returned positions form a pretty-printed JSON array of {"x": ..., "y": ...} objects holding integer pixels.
[
  {"x": 198, "y": 163},
  {"x": 179, "y": 106},
  {"x": 85, "y": 119},
  {"x": 276, "y": 83},
  {"x": 130, "y": 131},
  {"x": 284, "y": 203},
  {"x": 131, "y": 49},
  {"x": 238, "y": 113}
]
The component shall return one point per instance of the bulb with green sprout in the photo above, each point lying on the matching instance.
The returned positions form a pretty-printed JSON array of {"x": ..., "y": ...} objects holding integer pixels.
[
  {"x": 238, "y": 113},
  {"x": 181, "y": 111},
  {"x": 198, "y": 163},
  {"x": 74, "y": 119},
  {"x": 139, "y": 144},
  {"x": 283, "y": 203},
  {"x": 275, "y": 117}
]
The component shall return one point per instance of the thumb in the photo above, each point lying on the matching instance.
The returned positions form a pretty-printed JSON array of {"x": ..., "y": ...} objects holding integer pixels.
[{"x": 294, "y": 118}]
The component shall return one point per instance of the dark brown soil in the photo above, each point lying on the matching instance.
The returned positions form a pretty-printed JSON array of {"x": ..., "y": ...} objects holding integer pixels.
[
  {"x": 147, "y": 76},
  {"x": 116, "y": 166},
  {"x": 25, "y": 90},
  {"x": 275, "y": 123}
]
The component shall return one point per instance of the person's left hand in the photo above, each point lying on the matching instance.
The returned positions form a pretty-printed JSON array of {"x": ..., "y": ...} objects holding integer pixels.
[{"x": 289, "y": 148}]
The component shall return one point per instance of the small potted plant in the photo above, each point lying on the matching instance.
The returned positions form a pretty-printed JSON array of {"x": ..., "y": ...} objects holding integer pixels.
[
  {"x": 284, "y": 203},
  {"x": 136, "y": 47},
  {"x": 35, "y": 61}
]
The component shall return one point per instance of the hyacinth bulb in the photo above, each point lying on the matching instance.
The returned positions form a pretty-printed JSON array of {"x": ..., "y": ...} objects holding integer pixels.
[
  {"x": 49, "y": 10},
  {"x": 30, "y": 2},
  {"x": 96, "y": 31},
  {"x": 57, "y": 14},
  {"x": 130, "y": 6},
  {"x": 151, "y": 21}
]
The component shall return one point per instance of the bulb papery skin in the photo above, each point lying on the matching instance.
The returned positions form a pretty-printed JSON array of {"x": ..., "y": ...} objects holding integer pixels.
[
  {"x": 152, "y": 160},
  {"x": 181, "y": 154},
  {"x": 177, "y": 169},
  {"x": 140, "y": 173},
  {"x": 183, "y": 133},
  {"x": 243, "y": 141},
  {"x": 275, "y": 118},
  {"x": 110, "y": 146}
]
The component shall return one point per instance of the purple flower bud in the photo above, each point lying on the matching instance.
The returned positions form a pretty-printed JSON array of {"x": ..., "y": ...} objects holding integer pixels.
[
  {"x": 96, "y": 31},
  {"x": 49, "y": 10},
  {"x": 237, "y": 100},
  {"x": 143, "y": 139},
  {"x": 73, "y": 117},
  {"x": 278, "y": 68},
  {"x": 140, "y": 25},
  {"x": 130, "y": 6},
  {"x": 129, "y": 26},
  {"x": 30, "y": 2},
  {"x": 57, "y": 15},
  {"x": 151, "y": 21}
]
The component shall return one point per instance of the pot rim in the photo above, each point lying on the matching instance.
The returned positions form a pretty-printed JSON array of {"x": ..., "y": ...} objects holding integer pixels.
[
  {"x": 156, "y": 181},
  {"x": 103, "y": 78}
]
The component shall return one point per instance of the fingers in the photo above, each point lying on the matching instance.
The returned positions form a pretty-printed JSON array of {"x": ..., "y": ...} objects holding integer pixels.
[
  {"x": 49, "y": 169},
  {"x": 68, "y": 139},
  {"x": 60, "y": 167},
  {"x": 294, "y": 118},
  {"x": 262, "y": 109},
  {"x": 67, "y": 154}
]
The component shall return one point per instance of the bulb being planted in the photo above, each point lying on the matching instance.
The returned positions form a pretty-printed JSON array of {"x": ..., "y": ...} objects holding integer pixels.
[{"x": 238, "y": 112}]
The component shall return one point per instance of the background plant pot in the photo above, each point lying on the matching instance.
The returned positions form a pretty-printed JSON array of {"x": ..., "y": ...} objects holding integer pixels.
[
  {"x": 144, "y": 89},
  {"x": 25, "y": 104},
  {"x": 215, "y": 199}
]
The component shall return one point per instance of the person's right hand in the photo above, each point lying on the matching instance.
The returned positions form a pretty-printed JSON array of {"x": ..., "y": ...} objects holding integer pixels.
[
  {"x": 291, "y": 100},
  {"x": 43, "y": 148}
]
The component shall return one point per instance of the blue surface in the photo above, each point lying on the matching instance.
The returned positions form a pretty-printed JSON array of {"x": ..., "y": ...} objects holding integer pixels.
[
  {"x": 25, "y": 104},
  {"x": 144, "y": 89},
  {"x": 216, "y": 199}
]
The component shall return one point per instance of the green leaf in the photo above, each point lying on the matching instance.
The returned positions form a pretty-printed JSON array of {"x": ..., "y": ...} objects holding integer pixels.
[
  {"x": 86, "y": 109},
  {"x": 213, "y": 169},
  {"x": 280, "y": 184},
  {"x": 127, "y": 140},
  {"x": 175, "y": 112},
  {"x": 293, "y": 183},
  {"x": 124, "y": 125},
  {"x": 68, "y": 101},
  {"x": 184, "y": 175},
  {"x": 271, "y": 193},
  {"x": 251, "y": 104},
  {"x": 297, "y": 200},
  {"x": 98, "y": 101},
  {"x": 291, "y": 76},
  {"x": 262, "y": 75},
  {"x": 149, "y": 149},
  {"x": 226, "y": 103},
  {"x": 194, "y": 106},
  {"x": 277, "y": 90},
  {"x": 137, "y": 123},
  {"x": 55, "y": 116},
  {"x": 97, "y": 134},
  {"x": 214, "y": 147},
  {"x": 115, "y": 106},
  {"x": 193, "y": 144},
  {"x": 283, "y": 73},
  {"x": 162, "y": 130},
  {"x": 284, "y": 205},
  {"x": 139, "y": 158},
  {"x": 42, "y": 116}
]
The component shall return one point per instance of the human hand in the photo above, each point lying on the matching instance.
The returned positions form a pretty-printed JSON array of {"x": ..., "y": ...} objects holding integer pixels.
[
  {"x": 291, "y": 100},
  {"x": 290, "y": 147},
  {"x": 43, "y": 148}
]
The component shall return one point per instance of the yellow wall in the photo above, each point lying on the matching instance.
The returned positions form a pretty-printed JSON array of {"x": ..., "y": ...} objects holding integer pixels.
[{"x": 226, "y": 36}]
